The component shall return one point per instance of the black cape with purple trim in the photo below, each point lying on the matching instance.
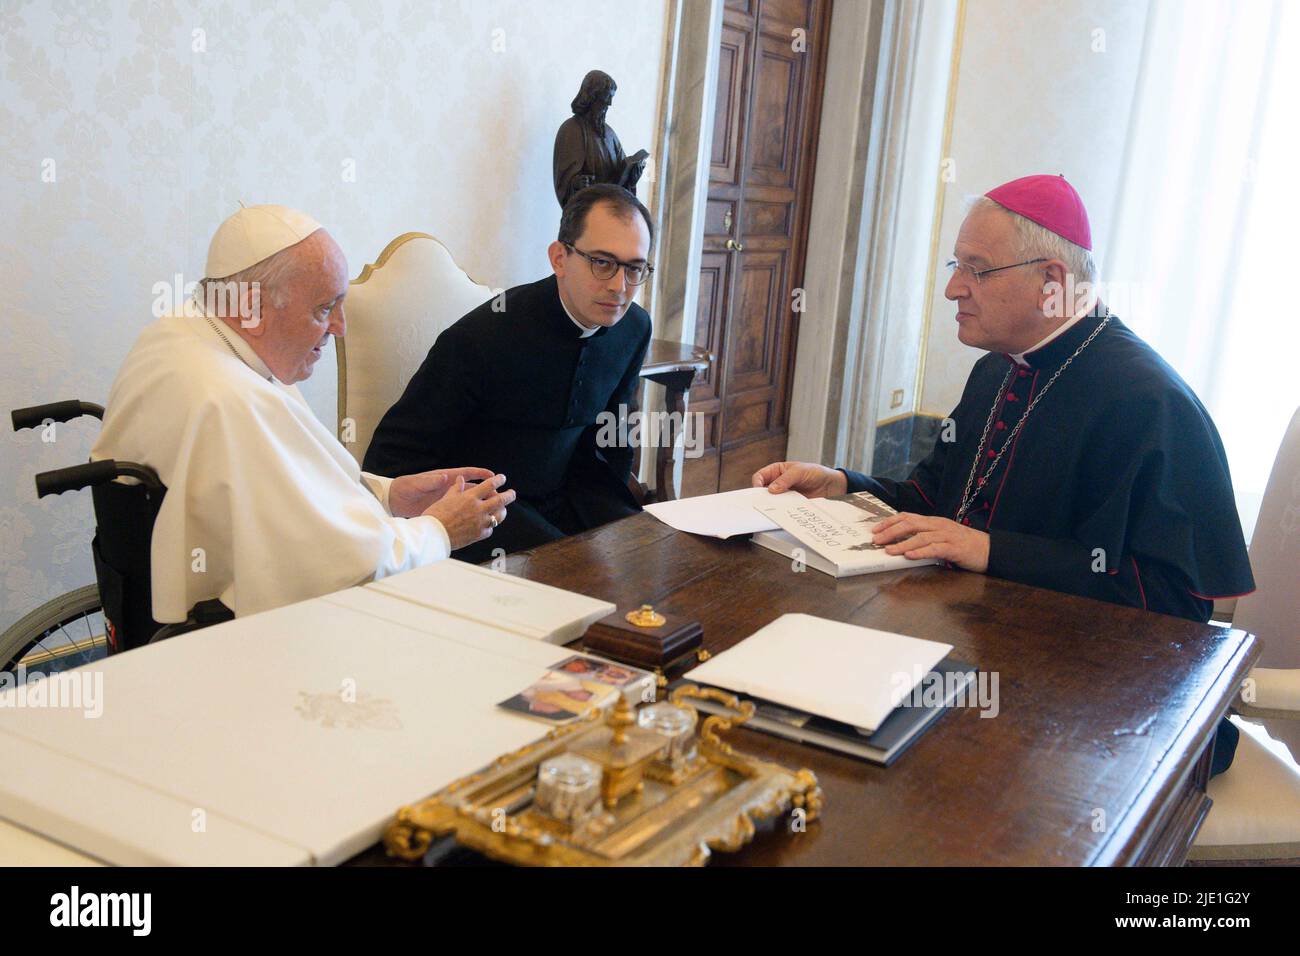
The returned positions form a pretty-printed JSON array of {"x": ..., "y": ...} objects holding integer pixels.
[{"x": 1117, "y": 487}]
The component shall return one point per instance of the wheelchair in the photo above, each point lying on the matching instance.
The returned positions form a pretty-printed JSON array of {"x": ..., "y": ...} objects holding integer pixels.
[{"x": 116, "y": 613}]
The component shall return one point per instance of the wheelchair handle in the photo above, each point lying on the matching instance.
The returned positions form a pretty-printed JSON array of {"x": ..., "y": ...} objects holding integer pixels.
[
  {"x": 36, "y": 415},
  {"x": 93, "y": 473}
]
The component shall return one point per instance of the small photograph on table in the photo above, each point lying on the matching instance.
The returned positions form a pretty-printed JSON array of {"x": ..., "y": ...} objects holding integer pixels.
[
  {"x": 615, "y": 675},
  {"x": 558, "y": 697}
]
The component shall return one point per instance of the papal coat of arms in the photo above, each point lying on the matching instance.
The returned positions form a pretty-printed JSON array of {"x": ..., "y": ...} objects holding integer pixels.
[{"x": 335, "y": 709}]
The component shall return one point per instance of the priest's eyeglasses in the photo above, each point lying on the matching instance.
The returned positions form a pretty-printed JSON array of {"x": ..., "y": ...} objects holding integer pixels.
[
  {"x": 955, "y": 266},
  {"x": 603, "y": 267}
]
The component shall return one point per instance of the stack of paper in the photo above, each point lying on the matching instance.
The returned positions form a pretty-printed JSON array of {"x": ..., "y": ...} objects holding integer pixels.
[{"x": 724, "y": 515}]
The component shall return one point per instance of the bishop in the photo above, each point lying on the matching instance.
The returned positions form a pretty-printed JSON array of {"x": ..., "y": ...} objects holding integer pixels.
[{"x": 1079, "y": 460}]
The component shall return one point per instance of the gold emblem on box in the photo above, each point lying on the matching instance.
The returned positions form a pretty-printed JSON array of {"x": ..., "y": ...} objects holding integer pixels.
[
  {"x": 651, "y": 812},
  {"x": 645, "y": 616}
]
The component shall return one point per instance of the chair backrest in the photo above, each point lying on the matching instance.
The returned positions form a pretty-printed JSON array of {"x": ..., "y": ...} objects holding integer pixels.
[
  {"x": 1273, "y": 611},
  {"x": 395, "y": 310}
]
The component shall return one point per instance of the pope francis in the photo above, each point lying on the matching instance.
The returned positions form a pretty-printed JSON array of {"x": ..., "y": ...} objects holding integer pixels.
[{"x": 264, "y": 507}]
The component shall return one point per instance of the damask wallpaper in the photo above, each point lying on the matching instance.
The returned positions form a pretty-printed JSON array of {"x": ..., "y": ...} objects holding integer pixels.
[{"x": 129, "y": 129}]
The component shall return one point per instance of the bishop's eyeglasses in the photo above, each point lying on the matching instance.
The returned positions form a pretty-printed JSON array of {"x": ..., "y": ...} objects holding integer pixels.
[
  {"x": 603, "y": 267},
  {"x": 955, "y": 266}
]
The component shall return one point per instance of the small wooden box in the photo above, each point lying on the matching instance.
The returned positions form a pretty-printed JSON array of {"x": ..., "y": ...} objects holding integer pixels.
[{"x": 653, "y": 648}]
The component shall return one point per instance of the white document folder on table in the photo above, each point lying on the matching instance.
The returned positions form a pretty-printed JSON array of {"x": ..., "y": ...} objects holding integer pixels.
[
  {"x": 855, "y": 675},
  {"x": 236, "y": 745},
  {"x": 498, "y": 599}
]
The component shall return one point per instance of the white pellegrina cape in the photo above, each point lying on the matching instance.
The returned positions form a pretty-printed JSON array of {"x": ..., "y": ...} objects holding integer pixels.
[{"x": 279, "y": 508}]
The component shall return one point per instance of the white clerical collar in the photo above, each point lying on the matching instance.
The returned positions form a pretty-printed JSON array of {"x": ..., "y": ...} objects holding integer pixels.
[
  {"x": 232, "y": 341},
  {"x": 586, "y": 332},
  {"x": 1019, "y": 357}
]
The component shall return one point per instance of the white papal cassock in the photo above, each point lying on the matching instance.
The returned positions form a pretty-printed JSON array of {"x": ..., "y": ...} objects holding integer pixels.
[{"x": 279, "y": 508}]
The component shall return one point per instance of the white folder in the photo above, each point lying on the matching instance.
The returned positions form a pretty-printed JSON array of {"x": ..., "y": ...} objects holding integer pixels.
[
  {"x": 236, "y": 744},
  {"x": 852, "y": 674},
  {"x": 498, "y": 599}
]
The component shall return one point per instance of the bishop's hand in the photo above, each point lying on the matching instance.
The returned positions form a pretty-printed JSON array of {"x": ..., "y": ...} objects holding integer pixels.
[
  {"x": 919, "y": 536},
  {"x": 412, "y": 495},
  {"x": 811, "y": 481}
]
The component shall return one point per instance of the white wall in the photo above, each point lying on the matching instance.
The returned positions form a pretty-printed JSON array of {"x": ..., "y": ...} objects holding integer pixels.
[
  {"x": 1032, "y": 97},
  {"x": 153, "y": 143}
]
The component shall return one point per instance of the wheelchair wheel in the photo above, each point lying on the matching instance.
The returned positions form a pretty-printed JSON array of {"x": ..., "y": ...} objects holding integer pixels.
[{"x": 60, "y": 634}]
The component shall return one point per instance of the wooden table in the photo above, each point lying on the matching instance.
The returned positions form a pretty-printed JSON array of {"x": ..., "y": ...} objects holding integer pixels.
[
  {"x": 1100, "y": 751},
  {"x": 673, "y": 365}
]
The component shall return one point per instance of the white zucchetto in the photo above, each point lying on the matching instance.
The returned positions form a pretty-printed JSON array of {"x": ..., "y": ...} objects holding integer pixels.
[{"x": 253, "y": 234}]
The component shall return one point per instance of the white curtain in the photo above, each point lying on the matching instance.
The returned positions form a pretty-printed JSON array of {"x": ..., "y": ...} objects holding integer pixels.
[{"x": 1202, "y": 262}]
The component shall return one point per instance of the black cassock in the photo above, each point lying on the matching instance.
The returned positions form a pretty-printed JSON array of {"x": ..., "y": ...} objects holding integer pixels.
[
  {"x": 519, "y": 391},
  {"x": 1117, "y": 487}
]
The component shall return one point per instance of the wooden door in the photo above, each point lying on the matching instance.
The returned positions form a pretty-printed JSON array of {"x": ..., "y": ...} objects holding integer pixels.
[{"x": 770, "y": 77}]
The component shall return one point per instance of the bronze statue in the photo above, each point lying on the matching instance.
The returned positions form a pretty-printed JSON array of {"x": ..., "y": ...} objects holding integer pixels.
[{"x": 587, "y": 151}]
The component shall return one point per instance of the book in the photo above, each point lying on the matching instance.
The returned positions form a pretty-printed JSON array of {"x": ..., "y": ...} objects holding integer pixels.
[
  {"x": 831, "y": 535},
  {"x": 895, "y": 734}
]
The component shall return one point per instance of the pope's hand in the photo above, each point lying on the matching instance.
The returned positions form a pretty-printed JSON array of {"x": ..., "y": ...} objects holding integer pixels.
[
  {"x": 918, "y": 536},
  {"x": 411, "y": 495},
  {"x": 471, "y": 512},
  {"x": 811, "y": 481}
]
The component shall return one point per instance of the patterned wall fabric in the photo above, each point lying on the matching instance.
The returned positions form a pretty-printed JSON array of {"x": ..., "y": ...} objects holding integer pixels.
[{"x": 132, "y": 127}]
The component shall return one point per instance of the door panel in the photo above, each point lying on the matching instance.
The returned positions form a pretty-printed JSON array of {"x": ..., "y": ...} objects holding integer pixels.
[
  {"x": 749, "y": 416},
  {"x": 750, "y": 322},
  {"x": 776, "y": 100},
  {"x": 725, "y": 160},
  {"x": 737, "y": 469},
  {"x": 715, "y": 290},
  {"x": 785, "y": 15},
  {"x": 763, "y": 218}
]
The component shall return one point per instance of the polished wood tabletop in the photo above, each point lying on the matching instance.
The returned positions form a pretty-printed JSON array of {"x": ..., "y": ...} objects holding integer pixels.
[{"x": 1098, "y": 754}]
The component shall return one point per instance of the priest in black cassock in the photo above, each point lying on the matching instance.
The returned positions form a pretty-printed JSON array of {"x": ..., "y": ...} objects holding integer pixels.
[
  {"x": 535, "y": 380},
  {"x": 1077, "y": 459}
]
